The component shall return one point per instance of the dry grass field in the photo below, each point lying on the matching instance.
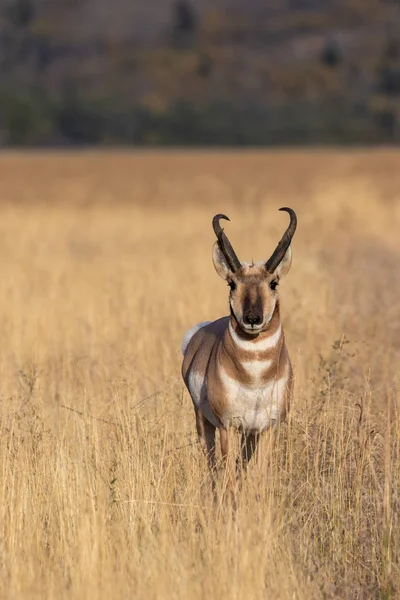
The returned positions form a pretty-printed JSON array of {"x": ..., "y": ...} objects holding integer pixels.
[{"x": 105, "y": 261}]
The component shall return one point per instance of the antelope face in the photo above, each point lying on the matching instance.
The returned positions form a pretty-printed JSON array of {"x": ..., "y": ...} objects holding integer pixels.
[
  {"x": 253, "y": 296},
  {"x": 253, "y": 287}
]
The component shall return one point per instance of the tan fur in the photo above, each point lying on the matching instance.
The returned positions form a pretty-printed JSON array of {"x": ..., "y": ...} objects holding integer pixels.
[
  {"x": 230, "y": 358},
  {"x": 212, "y": 347}
]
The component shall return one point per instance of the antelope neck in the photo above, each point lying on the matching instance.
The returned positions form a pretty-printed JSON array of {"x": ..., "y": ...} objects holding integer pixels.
[{"x": 237, "y": 342}]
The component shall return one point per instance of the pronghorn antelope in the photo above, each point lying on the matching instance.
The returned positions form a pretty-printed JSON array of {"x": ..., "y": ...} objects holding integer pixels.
[{"x": 237, "y": 369}]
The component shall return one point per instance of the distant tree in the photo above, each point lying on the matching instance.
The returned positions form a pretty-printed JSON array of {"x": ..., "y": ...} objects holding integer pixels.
[
  {"x": 392, "y": 49},
  {"x": 387, "y": 122},
  {"x": 205, "y": 66},
  {"x": 20, "y": 13},
  {"x": 389, "y": 80},
  {"x": 185, "y": 17},
  {"x": 44, "y": 52},
  {"x": 26, "y": 115},
  {"x": 302, "y": 4},
  {"x": 184, "y": 23},
  {"x": 331, "y": 54},
  {"x": 78, "y": 120}
]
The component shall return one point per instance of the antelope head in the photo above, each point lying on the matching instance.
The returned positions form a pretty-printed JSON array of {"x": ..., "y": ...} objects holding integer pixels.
[{"x": 253, "y": 293}]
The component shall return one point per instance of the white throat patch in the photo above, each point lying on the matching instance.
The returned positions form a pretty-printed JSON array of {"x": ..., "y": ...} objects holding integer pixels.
[{"x": 257, "y": 345}]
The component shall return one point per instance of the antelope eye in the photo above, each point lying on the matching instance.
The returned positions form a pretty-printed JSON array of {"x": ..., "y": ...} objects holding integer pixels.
[
  {"x": 232, "y": 285},
  {"x": 273, "y": 285}
]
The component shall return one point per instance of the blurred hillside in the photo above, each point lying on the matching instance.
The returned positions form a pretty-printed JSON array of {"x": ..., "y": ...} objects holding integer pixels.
[{"x": 199, "y": 72}]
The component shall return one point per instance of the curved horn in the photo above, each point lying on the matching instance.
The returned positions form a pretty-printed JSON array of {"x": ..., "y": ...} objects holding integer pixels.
[
  {"x": 225, "y": 245},
  {"x": 284, "y": 244}
]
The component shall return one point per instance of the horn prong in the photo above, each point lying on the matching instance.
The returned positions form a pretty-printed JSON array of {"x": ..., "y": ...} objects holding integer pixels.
[
  {"x": 281, "y": 249},
  {"x": 224, "y": 244}
]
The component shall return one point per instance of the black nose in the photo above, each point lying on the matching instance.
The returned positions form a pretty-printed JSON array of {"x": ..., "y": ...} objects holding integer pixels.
[{"x": 252, "y": 319}]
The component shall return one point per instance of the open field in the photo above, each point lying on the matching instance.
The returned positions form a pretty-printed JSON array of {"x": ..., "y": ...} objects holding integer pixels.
[{"x": 105, "y": 261}]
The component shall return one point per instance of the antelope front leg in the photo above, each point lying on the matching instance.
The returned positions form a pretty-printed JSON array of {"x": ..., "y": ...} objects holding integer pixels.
[
  {"x": 229, "y": 459},
  {"x": 267, "y": 443},
  {"x": 249, "y": 447},
  {"x": 206, "y": 434}
]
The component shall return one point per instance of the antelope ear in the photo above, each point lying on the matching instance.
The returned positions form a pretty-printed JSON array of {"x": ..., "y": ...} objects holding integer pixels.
[
  {"x": 284, "y": 266},
  {"x": 220, "y": 264}
]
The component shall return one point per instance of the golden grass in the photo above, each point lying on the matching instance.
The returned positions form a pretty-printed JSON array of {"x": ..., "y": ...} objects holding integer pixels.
[{"x": 105, "y": 261}]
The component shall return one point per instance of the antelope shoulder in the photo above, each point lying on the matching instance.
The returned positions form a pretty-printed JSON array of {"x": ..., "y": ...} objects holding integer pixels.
[{"x": 190, "y": 333}]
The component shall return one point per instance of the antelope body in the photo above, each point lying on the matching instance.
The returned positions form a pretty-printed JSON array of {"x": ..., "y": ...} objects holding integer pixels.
[{"x": 237, "y": 369}]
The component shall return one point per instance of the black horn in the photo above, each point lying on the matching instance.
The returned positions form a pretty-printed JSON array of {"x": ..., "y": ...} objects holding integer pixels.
[
  {"x": 284, "y": 244},
  {"x": 225, "y": 245}
]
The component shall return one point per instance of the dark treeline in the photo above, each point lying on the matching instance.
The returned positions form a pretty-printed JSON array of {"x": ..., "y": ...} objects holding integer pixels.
[{"x": 298, "y": 75}]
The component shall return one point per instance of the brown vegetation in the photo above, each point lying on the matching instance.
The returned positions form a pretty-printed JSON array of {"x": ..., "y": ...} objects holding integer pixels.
[{"x": 105, "y": 262}]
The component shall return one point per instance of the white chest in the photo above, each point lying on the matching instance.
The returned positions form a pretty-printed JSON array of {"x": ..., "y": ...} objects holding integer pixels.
[{"x": 253, "y": 408}]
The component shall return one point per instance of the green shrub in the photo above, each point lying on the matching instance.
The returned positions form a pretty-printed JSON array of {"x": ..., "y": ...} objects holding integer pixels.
[{"x": 26, "y": 116}]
